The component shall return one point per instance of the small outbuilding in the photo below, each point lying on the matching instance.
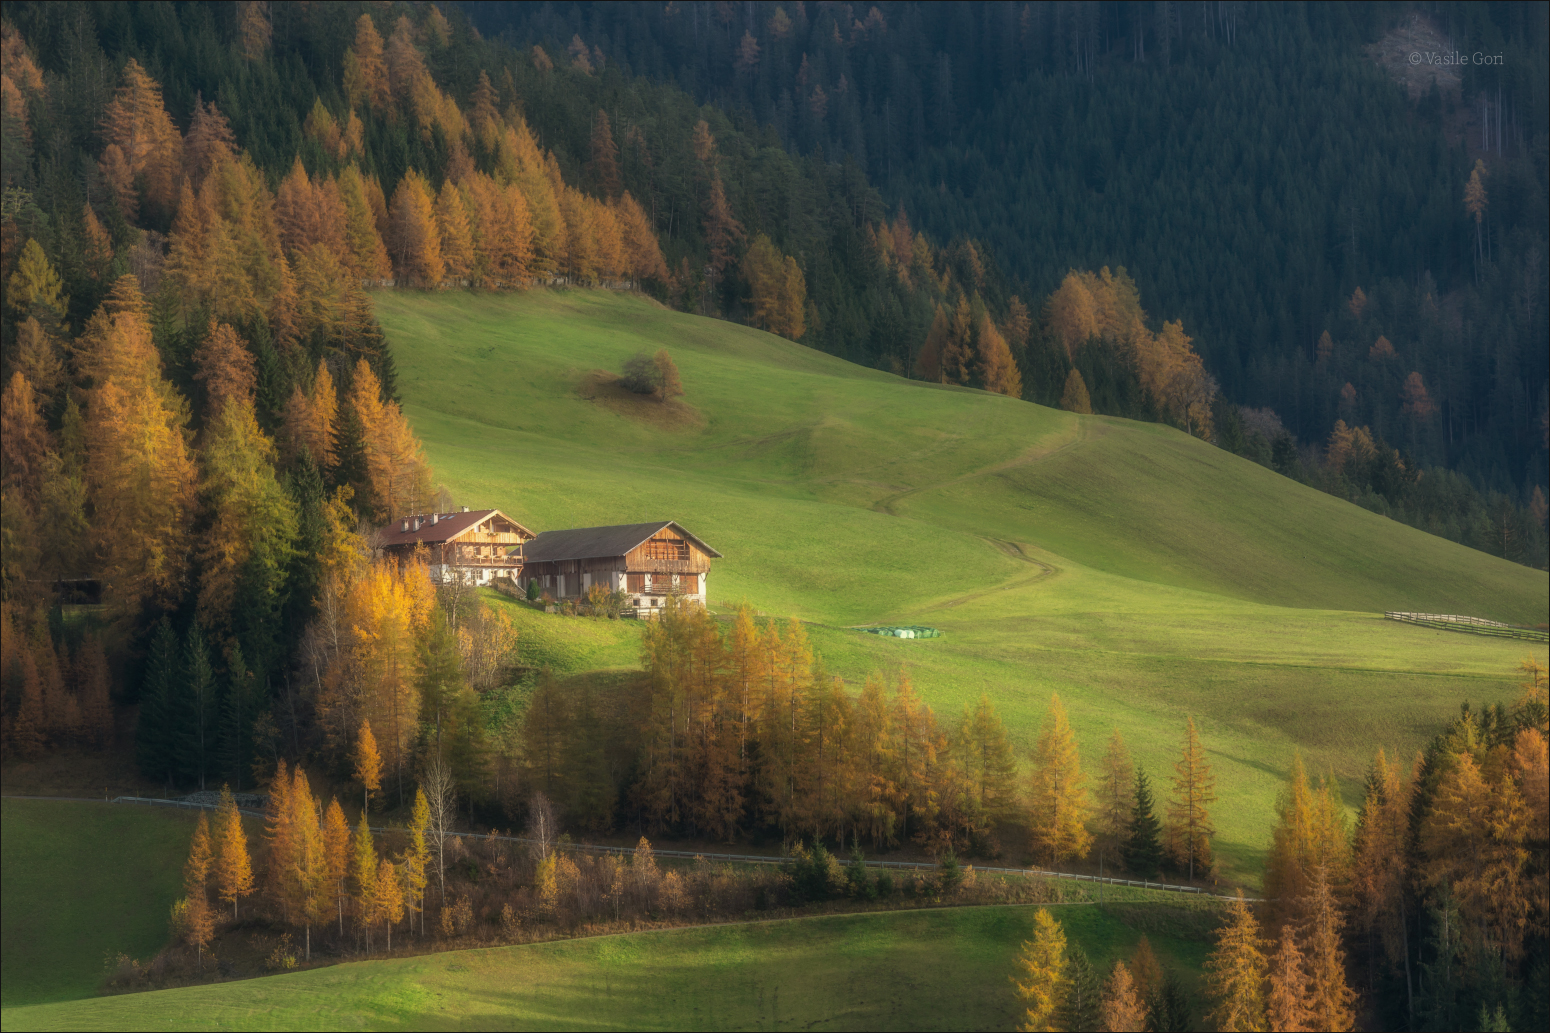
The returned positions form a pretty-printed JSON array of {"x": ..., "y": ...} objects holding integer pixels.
[
  {"x": 646, "y": 562},
  {"x": 475, "y": 547}
]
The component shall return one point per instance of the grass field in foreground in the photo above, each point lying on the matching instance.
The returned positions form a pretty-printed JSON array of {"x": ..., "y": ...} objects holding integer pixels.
[
  {"x": 935, "y": 969},
  {"x": 83, "y": 882},
  {"x": 1142, "y": 574}
]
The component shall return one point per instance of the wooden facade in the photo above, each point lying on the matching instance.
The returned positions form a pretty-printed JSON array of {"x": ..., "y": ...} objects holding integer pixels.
[
  {"x": 475, "y": 546},
  {"x": 645, "y": 562}
]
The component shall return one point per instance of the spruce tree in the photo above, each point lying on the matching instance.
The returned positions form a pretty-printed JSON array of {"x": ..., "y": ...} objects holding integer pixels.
[
  {"x": 1142, "y": 849},
  {"x": 156, "y": 740},
  {"x": 1083, "y": 996},
  {"x": 196, "y": 707}
]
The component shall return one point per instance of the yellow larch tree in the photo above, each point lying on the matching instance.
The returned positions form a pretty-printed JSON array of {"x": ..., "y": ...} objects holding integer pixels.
[
  {"x": 1330, "y": 1000},
  {"x": 363, "y": 872},
  {"x": 1040, "y": 981},
  {"x": 1189, "y": 826},
  {"x": 389, "y": 898},
  {"x": 233, "y": 864},
  {"x": 998, "y": 370},
  {"x": 225, "y": 365},
  {"x": 336, "y": 854},
  {"x": 1116, "y": 790},
  {"x": 1057, "y": 795},
  {"x": 415, "y": 241},
  {"x": 368, "y": 764},
  {"x": 456, "y": 233},
  {"x": 395, "y": 462},
  {"x": 144, "y": 148},
  {"x": 1287, "y": 1001},
  {"x": 365, "y": 73},
  {"x": 1235, "y": 972},
  {"x": 196, "y": 870},
  {"x": 1074, "y": 396},
  {"x": 1121, "y": 1008},
  {"x": 417, "y": 858}
]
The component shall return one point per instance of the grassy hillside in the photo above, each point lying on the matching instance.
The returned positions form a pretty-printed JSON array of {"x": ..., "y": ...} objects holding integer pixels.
[
  {"x": 83, "y": 883},
  {"x": 941, "y": 969},
  {"x": 1142, "y": 574}
]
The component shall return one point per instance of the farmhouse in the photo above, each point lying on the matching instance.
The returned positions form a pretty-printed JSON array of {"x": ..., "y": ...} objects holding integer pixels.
[
  {"x": 646, "y": 562},
  {"x": 470, "y": 546}
]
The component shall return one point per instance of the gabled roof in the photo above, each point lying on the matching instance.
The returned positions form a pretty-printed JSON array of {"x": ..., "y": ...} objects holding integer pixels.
[
  {"x": 588, "y": 543},
  {"x": 445, "y": 529}
]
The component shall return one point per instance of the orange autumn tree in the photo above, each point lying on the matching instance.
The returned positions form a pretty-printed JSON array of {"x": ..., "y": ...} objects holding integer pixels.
[
  {"x": 1189, "y": 827},
  {"x": 997, "y": 369},
  {"x": 233, "y": 864},
  {"x": 399, "y": 476},
  {"x": 143, "y": 156},
  {"x": 368, "y": 764},
  {"x": 779, "y": 291},
  {"x": 1057, "y": 797},
  {"x": 1235, "y": 972},
  {"x": 140, "y": 475},
  {"x": 225, "y": 366},
  {"x": 365, "y": 73},
  {"x": 414, "y": 240}
]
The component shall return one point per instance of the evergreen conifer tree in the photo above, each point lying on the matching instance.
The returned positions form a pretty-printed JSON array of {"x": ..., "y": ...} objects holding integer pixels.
[
  {"x": 1142, "y": 849},
  {"x": 1081, "y": 1003},
  {"x": 156, "y": 741}
]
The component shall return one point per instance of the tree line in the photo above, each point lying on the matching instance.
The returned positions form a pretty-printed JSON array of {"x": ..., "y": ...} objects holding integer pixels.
[
  {"x": 735, "y": 731},
  {"x": 1175, "y": 141},
  {"x": 1429, "y": 914}
]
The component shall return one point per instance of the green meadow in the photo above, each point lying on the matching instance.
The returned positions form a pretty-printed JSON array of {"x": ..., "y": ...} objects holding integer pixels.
[
  {"x": 930, "y": 969},
  {"x": 1139, "y": 573},
  {"x": 84, "y": 882}
]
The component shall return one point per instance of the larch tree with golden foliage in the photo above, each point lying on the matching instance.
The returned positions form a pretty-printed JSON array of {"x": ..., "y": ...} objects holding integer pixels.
[
  {"x": 233, "y": 863},
  {"x": 998, "y": 370},
  {"x": 368, "y": 764},
  {"x": 395, "y": 462},
  {"x": 1330, "y": 1000},
  {"x": 414, "y": 241},
  {"x": 363, "y": 872},
  {"x": 1057, "y": 794},
  {"x": 1286, "y": 1005},
  {"x": 143, "y": 155},
  {"x": 1116, "y": 791},
  {"x": 1235, "y": 972},
  {"x": 1074, "y": 397},
  {"x": 1040, "y": 980},
  {"x": 1122, "y": 1008},
  {"x": 1189, "y": 828},
  {"x": 365, "y": 72},
  {"x": 140, "y": 475},
  {"x": 336, "y": 856}
]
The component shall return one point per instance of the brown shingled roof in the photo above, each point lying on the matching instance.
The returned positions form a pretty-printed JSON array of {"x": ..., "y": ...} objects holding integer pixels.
[
  {"x": 447, "y": 528},
  {"x": 586, "y": 543}
]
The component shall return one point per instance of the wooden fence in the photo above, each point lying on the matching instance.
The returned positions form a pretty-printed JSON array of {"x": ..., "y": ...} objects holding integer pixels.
[{"x": 1472, "y": 625}]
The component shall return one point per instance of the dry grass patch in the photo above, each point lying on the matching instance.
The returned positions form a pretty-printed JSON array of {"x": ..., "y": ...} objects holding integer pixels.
[{"x": 605, "y": 389}]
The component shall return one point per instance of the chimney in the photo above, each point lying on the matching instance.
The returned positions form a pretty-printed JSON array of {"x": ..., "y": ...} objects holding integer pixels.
[
  {"x": 404, "y": 526},
  {"x": 465, "y": 509},
  {"x": 417, "y": 523},
  {"x": 435, "y": 519}
]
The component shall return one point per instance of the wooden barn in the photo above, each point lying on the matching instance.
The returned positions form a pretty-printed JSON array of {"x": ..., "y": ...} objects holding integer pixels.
[
  {"x": 647, "y": 562},
  {"x": 472, "y": 546}
]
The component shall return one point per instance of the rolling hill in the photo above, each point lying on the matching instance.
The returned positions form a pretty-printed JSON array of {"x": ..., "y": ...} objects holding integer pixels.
[{"x": 1141, "y": 574}]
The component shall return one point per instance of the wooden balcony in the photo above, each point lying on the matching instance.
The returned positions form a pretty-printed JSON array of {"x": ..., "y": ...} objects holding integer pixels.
[{"x": 669, "y": 566}]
